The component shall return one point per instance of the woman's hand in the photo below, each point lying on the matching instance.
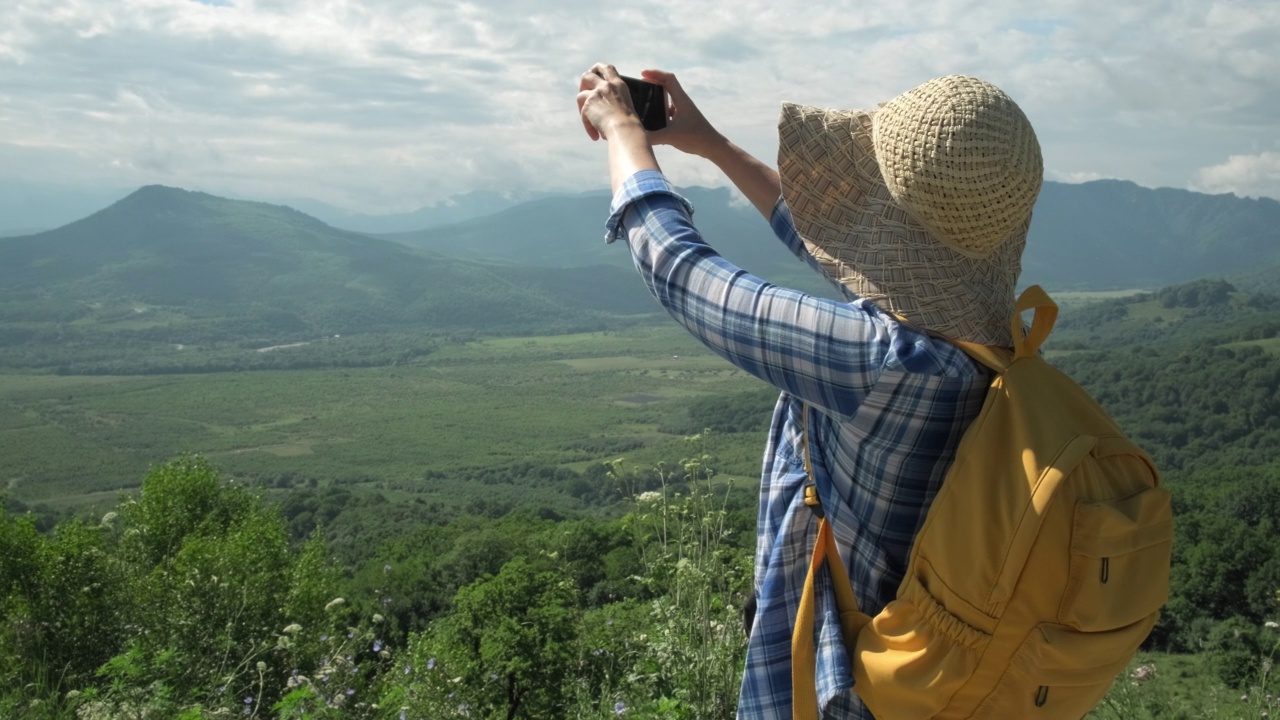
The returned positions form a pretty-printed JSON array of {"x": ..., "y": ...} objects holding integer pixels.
[
  {"x": 687, "y": 128},
  {"x": 604, "y": 101},
  {"x": 605, "y": 105}
]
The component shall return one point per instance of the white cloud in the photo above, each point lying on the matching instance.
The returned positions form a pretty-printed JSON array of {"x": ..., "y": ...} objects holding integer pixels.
[
  {"x": 394, "y": 104},
  {"x": 1247, "y": 175}
]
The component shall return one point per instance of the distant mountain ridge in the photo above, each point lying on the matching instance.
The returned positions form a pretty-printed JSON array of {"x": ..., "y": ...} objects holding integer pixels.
[
  {"x": 201, "y": 256},
  {"x": 1114, "y": 233},
  {"x": 1098, "y": 235}
]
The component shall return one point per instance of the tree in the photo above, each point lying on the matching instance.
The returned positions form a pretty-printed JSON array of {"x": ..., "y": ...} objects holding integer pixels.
[{"x": 511, "y": 638}]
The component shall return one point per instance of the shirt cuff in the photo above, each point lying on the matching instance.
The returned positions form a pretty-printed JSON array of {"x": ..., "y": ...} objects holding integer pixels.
[{"x": 643, "y": 184}]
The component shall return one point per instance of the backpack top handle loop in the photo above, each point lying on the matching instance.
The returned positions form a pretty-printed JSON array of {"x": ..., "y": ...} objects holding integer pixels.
[{"x": 1033, "y": 298}]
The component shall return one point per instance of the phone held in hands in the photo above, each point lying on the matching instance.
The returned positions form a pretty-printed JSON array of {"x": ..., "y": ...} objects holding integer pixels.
[{"x": 650, "y": 102}]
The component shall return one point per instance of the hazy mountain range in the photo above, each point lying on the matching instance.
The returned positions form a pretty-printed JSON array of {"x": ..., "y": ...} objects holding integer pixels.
[{"x": 164, "y": 264}]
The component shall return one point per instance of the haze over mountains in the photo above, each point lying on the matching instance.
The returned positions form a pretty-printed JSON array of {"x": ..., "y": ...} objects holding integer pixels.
[{"x": 168, "y": 265}]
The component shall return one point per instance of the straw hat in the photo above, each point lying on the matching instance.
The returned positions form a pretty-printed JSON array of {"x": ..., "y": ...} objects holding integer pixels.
[{"x": 921, "y": 206}]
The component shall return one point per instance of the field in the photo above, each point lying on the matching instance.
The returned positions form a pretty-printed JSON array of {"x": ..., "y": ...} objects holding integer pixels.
[
  {"x": 1073, "y": 299},
  {"x": 564, "y": 401}
]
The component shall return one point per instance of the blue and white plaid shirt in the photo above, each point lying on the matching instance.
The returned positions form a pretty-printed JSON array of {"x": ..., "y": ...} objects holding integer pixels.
[{"x": 888, "y": 404}]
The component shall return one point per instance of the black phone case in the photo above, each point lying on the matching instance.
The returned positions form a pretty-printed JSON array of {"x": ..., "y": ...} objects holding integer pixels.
[{"x": 650, "y": 101}]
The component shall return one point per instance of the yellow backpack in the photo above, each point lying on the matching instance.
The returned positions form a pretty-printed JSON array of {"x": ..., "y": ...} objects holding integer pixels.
[{"x": 1040, "y": 567}]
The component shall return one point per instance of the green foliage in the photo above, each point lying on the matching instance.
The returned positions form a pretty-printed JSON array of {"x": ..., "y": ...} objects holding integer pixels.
[
  {"x": 176, "y": 601},
  {"x": 1202, "y": 293},
  {"x": 1205, "y": 408},
  {"x": 510, "y": 640}
]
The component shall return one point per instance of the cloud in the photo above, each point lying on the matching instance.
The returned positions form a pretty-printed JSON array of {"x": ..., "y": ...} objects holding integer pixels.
[
  {"x": 1248, "y": 175},
  {"x": 393, "y": 104}
]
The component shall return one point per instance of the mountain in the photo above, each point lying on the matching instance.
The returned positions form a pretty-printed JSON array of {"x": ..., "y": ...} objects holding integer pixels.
[
  {"x": 1098, "y": 235},
  {"x": 1115, "y": 234},
  {"x": 171, "y": 262}
]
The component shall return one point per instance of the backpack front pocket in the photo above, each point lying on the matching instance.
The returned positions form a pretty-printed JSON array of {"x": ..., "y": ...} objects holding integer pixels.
[
  {"x": 1120, "y": 556},
  {"x": 1058, "y": 672}
]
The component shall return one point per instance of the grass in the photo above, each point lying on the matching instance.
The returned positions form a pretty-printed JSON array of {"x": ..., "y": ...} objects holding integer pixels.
[
  {"x": 482, "y": 404},
  {"x": 1161, "y": 685}
]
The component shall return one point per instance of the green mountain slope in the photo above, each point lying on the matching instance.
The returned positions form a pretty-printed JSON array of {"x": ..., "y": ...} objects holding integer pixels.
[
  {"x": 200, "y": 253},
  {"x": 174, "y": 267}
]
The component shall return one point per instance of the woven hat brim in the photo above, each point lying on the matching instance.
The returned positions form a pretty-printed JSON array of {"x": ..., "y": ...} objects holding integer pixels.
[{"x": 848, "y": 220}]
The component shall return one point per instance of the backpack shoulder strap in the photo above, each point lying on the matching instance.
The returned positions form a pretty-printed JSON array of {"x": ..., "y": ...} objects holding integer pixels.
[{"x": 804, "y": 700}]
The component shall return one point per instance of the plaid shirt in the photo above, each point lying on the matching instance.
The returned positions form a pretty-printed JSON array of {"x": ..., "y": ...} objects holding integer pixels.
[{"x": 888, "y": 404}]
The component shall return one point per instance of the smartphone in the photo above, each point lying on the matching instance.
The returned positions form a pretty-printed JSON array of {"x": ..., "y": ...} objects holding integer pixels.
[{"x": 650, "y": 102}]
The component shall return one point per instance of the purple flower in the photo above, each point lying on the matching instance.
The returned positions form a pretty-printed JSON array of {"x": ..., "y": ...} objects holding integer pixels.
[
  {"x": 324, "y": 638},
  {"x": 619, "y": 708},
  {"x": 248, "y": 700},
  {"x": 408, "y": 669},
  {"x": 402, "y": 715},
  {"x": 377, "y": 646},
  {"x": 431, "y": 664},
  {"x": 350, "y": 691}
]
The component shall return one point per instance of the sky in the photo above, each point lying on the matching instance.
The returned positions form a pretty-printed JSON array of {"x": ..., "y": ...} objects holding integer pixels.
[{"x": 382, "y": 106}]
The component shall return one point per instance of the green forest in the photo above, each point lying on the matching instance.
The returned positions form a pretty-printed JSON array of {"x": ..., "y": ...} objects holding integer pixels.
[{"x": 597, "y": 571}]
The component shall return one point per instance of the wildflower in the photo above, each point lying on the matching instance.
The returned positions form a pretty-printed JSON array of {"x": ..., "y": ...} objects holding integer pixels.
[
  {"x": 648, "y": 497},
  {"x": 293, "y": 628},
  {"x": 386, "y": 601},
  {"x": 402, "y": 714},
  {"x": 1272, "y": 624},
  {"x": 336, "y": 602},
  {"x": 408, "y": 669},
  {"x": 324, "y": 638},
  {"x": 350, "y": 691},
  {"x": 619, "y": 708},
  {"x": 248, "y": 700},
  {"x": 377, "y": 646},
  {"x": 378, "y": 618},
  {"x": 1143, "y": 673},
  {"x": 108, "y": 519},
  {"x": 262, "y": 666},
  {"x": 431, "y": 664},
  {"x": 386, "y": 568},
  {"x": 493, "y": 676},
  {"x": 598, "y": 652}
]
